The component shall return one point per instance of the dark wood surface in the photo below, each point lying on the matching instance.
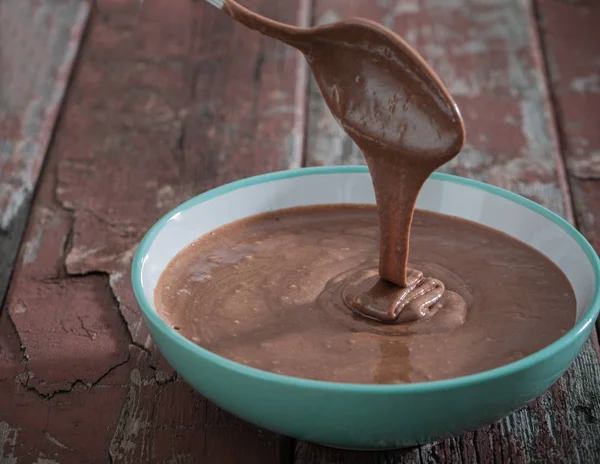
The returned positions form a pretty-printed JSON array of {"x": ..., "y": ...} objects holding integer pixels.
[
  {"x": 169, "y": 99},
  {"x": 38, "y": 44}
]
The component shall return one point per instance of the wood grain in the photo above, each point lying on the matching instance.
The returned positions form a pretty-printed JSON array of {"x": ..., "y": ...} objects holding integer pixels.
[
  {"x": 571, "y": 42},
  {"x": 168, "y": 99},
  {"x": 487, "y": 54},
  {"x": 38, "y": 44}
]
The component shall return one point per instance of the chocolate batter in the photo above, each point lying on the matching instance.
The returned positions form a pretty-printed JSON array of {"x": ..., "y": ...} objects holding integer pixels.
[
  {"x": 269, "y": 291},
  {"x": 399, "y": 113}
]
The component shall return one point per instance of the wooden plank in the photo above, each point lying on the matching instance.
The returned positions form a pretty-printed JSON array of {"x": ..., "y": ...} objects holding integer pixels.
[
  {"x": 571, "y": 42},
  {"x": 38, "y": 44},
  {"x": 487, "y": 53},
  {"x": 169, "y": 99}
]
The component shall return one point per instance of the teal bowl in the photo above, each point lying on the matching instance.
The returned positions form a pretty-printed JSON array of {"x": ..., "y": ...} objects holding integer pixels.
[{"x": 367, "y": 416}]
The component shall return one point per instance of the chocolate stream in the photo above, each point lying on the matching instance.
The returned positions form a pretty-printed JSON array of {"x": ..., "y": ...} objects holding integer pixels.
[{"x": 392, "y": 105}]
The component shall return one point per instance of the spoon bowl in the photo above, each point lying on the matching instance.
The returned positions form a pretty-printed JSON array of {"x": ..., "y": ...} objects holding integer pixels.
[{"x": 380, "y": 90}]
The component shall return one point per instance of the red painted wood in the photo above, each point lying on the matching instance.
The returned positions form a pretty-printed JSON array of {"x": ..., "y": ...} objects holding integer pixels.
[
  {"x": 571, "y": 39},
  {"x": 38, "y": 44},
  {"x": 168, "y": 99},
  {"x": 486, "y": 53}
]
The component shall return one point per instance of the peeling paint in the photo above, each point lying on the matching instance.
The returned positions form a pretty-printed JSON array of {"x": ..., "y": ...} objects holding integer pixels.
[
  {"x": 51, "y": 439},
  {"x": 165, "y": 196},
  {"x": 406, "y": 7},
  {"x": 114, "y": 278},
  {"x": 8, "y": 441},
  {"x": 461, "y": 86},
  {"x": 327, "y": 17},
  {"x": 12, "y": 200},
  {"x": 436, "y": 5},
  {"x": 19, "y": 308},
  {"x": 41, "y": 460},
  {"x": 279, "y": 109},
  {"x": 535, "y": 129},
  {"x": 470, "y": 159},
  {"x": 470, "y": 48},
  {"x": 587, "y": 84},
  {"x": 79, "y": 254},
  {"x": 586, "y": 168}
]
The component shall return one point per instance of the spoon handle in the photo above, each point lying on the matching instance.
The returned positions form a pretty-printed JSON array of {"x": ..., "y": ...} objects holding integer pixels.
[{"x": 281, "y": 31}]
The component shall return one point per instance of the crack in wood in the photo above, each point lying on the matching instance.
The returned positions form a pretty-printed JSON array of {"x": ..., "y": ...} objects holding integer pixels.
[{"x": 10, "y": 241}]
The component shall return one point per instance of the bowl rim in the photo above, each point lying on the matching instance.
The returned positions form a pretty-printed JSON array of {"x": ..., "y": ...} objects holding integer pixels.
[{"x": 154, "y": 319}]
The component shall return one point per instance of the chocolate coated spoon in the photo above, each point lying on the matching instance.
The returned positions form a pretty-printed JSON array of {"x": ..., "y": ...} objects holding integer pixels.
[{"x": 390, "y": 103}]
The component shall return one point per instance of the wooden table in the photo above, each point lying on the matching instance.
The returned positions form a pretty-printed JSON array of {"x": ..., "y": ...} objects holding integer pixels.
[{"x": 170, "y": 98}]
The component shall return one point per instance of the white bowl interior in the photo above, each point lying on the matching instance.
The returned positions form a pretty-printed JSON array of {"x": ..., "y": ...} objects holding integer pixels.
[{"x": 441, "y": 196}]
